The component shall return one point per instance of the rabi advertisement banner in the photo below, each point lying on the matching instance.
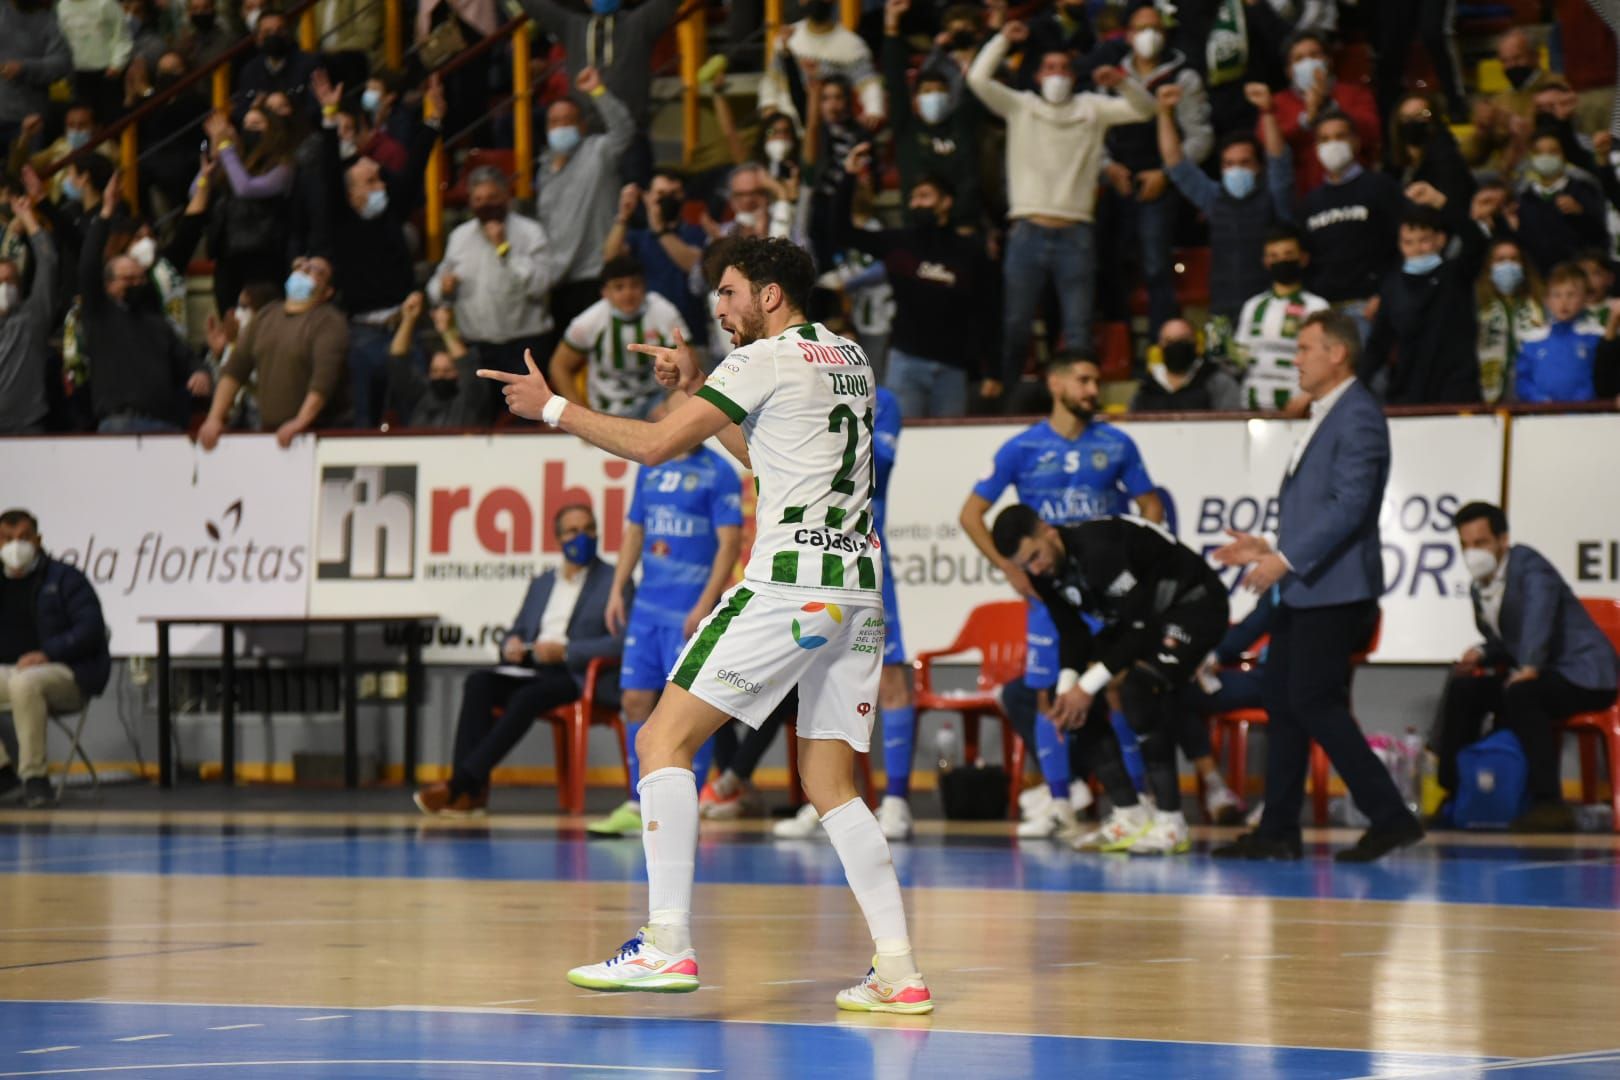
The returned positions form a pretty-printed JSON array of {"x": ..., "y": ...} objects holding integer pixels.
[
  {"x": 163, "y": 528},
  {"x": 1218, "y": 475}
]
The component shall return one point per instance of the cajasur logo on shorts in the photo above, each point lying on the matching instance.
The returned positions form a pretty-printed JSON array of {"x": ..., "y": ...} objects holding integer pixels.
[{"x": 813, "y": 631}]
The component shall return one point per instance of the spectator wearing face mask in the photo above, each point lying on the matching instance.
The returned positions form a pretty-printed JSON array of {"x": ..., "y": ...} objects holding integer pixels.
[
  {"x": 1423, "y": 150},
  {"x": 221, "y": 333},
  {"x": 1241, "y": 208},
  {"x": 1559, "y": 212},
  {"x": 932, "y": 137},
  {"x": 33, "y": 55},
  {"x": 99, "y": 35},
  {"x": 78, "y": 125},
  {"x": 1054, "y": 156},
  {"x": 1493, "y": 118},
  {"x": 1181, "y": 380},
  {"x": 168, "y": 145},
  {"x": 1266, "y": 336},
  {"x": 1511, "y": 306},
  {"x": 1314, "y": 93},
  {"x": 1558, "y": 361},
  {"x": 205, "y": 34},
  {"x": 597, "y": 344},
  {"x": 576, "y": 180},
  {"x": 1136, "y": 172},
  {"x": 618, "y": 42},
  {"x": 497, "y": 269},
  {"x": 831, "y": 51},
  {"x": 448, "y": 396},
  {"x": 1426, "y": 318},
  {"x": 667, "y": 247},
  {"x": 296, "y": 347},
  {"x": 279, "y": 67},
  {"x": 248, "y": 237},
  {"x": 1351, "y": 220},
  {"x": 26, "y": 322},
  {"x": 1065, "y": 27},
  {"x": 141, "y": 370}
]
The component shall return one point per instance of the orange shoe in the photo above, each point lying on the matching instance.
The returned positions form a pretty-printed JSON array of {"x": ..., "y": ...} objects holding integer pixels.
[
  {"x": 708, "y": 799},
  {"x": 434, "y": 800}
]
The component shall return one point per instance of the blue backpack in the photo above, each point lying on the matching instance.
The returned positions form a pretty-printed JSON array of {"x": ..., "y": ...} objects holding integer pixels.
[{"x": 1492, "y": 783}]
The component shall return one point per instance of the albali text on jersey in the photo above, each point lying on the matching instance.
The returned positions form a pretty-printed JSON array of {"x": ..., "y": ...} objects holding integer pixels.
[
  {"x": 804, "y": 402},
  {"x": 1067, "y": 480},
  {"x": 1127, "y": 572}
]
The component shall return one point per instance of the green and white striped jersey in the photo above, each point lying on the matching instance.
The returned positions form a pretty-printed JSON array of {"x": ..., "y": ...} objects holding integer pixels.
[
  {"x": 804, "y": 401},
  {"x": 618, "y": 381},
  {"x": 1264, "y": 342}
]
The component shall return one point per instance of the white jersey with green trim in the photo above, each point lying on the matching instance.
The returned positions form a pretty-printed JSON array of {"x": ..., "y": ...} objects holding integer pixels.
[{"x": 804, "y": 400}]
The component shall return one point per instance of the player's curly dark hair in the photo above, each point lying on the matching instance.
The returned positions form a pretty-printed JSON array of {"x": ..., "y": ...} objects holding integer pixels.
[{"x": 765, "y": 261}]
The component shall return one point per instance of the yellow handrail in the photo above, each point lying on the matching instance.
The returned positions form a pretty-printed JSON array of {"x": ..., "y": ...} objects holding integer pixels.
[
  {"x": 308, "y": 35},
  {"x": 522, "y": 117},
  {"x": 433, "y": 202},
  {"x": 393, "y": 35},
  {"x": 692, "y": 36},
  {"x": 773, "y": 26},
  {"x": 851, "y": 10}
]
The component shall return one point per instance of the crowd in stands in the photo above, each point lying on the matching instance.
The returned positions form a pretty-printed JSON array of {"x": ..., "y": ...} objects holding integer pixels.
[{"x": 1171, "y": 188}]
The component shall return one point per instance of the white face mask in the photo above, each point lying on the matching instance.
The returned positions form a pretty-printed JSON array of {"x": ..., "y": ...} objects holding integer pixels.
[
  {"x": 1147, "y": 42},
  {"x": 18, "y": 556},
  {"x": 745, "y": 219},
  {"x": 1057, "y": 88},
  {"x": 8, "y": 297},
  {"x": 1481, "y": 563},
  {"x": 777, "y": 150},
  {"x": 251, "y": 18},
  {"x": 933, "y": 106},
  {"x": 144, "y": 251},
  {"x": 243, "y": 315},
  {"x": 1335, "y": 155}
]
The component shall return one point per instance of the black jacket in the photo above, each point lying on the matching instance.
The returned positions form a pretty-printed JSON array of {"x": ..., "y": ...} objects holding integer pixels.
[
  {"x": 70, "y": 628},
  {"x": 1549, "y": 235},
  {"x": 1128, "y": 573},
  {"x": 373, "y": 258}
]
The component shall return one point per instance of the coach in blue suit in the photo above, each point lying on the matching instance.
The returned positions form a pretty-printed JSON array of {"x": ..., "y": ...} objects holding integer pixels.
[
  {"x": 1328, "y": 560},
  {"x": 559, "y": 630},
  {"x": 1543, "y": 660}
]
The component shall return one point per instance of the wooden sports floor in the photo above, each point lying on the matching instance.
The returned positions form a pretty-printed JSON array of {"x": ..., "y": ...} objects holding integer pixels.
[{"x": 250, "y": 945}]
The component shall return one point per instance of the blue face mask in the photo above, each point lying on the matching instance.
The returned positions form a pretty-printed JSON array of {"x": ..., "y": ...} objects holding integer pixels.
[
  {"x": 371, "y": 99},
  {"x": 580, "y": 549},
  {"x": 376, "y": 203},
  {"x": 77, "y": 137},
  {"x": 300, "y": 286},
  {"x": 71, "y": 189},
  {"x": 1304, "y": 73},
  {"x": 1239, "y": 183},
  {"x": 563, "y": 140},
  {"x": 1507, "y": 277},
  {"x": 1422, "y": 264},
  {"x": 605, "y": 7}
]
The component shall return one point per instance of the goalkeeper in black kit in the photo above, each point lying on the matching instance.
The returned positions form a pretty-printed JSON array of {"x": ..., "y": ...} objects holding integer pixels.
[{"x": 1162, "y": 610}]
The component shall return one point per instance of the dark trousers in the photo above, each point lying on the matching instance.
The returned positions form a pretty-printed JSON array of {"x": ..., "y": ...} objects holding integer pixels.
[
  {"x": 1532, "y": 710},
  {"x": 482, "y": 738},
  {"x": 1307, "y": 694},
  {"x": 508, "y": 356},
  {"x": 1239, "y": 690},
  {"x": 747, "y": 756},
  {"x": 1400, "y": 22},
  {"x": 567, "y": 301}
]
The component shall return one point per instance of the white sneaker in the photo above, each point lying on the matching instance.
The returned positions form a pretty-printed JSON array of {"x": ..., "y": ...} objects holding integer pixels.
[
  {"x": 894, "y": 818},
  {"x": 1034, "y": 800},
  {"x": 1055, "y": 822},
  {"x": 1080, "y": 796},
  {"x": 641, "y": 965},
  {"x": 801, "y": 826},
  {"x": 1166, "y": 836},
  {"x": 1256, "y": 812},
  {"x": 1221, "y": 806},
  {"x": 1123, "y": 828},
  {"x": 876, "y": 994}
]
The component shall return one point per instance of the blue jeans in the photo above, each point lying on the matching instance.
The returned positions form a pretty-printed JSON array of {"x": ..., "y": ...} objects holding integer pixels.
[
  {"x": 926, "y": 387},
  {"x": 368, "y": 371},
  {"x": 1155, "y": 224},
  {"x": 1036, "y": 255},
  {"x": 131, "y": 424}
]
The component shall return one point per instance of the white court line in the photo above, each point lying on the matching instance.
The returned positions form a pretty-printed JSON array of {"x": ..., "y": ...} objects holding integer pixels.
[
  {"x": 48, "y": 1050},
  {"x": 1174, "y": 960},
  {"x": 234, "y": 1027},
  {"x": 368, "y": 1061},
  {"x": 322, "y": 1019},
  {"x": 1464, "y": 1072},
  {"x": 143, "y": 1038},
  {"x": 514, "y": 1001}
]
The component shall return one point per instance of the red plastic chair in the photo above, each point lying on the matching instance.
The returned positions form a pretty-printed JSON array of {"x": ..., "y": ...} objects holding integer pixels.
[
  {"x": 997, "y": 631},
  {"x": 1231, "y": 729},
  {"x": 570, "y": 731},
  {"x": 1591, "y": 727}
]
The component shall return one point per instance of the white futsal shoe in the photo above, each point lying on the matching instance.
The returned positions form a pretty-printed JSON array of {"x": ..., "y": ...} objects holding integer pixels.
[
  {"x": 877, "y": 994},
  {"x": 1053, "y": 819},
  {"x": 640, "y": 965},
  {"x": 894, "y": 818},
  {"x": 1124, "y": 826},
  {"x": 801, "y": 826},
  {"x": 1167, "y": 835}
]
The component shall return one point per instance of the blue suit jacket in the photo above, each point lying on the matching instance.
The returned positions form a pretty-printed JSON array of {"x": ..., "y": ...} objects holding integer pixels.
[
  {"x": 1544, "y": 626},
  {"x": 588, "y": 636},
  {"x": 1328, "y": 521}
]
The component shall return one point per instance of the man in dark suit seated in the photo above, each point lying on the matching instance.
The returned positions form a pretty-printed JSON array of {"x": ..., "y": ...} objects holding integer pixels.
[
  {"x": 1328, "y": 558},
  {"x": 560, "y": 629},
  {"x": 1543, "y": 660}
]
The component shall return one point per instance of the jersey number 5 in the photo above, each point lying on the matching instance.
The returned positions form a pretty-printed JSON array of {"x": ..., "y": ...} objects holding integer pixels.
[{"x": 839, "y": 418}]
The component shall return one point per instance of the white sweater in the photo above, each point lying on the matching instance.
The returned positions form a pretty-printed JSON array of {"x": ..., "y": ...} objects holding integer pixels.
[
  {"x": 1054, "y": 152},
  {"x": 97, "y": 34}
]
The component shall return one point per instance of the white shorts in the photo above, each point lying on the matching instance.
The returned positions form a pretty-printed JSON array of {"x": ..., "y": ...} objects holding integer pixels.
[{"x": 755, "y": 646}]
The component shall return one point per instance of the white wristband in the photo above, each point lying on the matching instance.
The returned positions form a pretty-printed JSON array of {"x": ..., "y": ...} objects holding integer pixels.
[
  {"x": 1095, "y": 678},
  {"x": 552, "y": 413}
]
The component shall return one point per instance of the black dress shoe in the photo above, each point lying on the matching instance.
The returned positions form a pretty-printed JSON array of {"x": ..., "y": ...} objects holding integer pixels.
[
  {"x": 38, "y": 793},
  {"x": 1257, "y": 847},
  {"x": 11, "y": 785},
  {"x": 1545, "y": 817},
  {"x": 1377, "y": 842}
]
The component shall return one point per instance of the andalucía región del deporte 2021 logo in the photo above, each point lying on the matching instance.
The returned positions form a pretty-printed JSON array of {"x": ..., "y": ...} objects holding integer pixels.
[{"x": 810, "y": 629}]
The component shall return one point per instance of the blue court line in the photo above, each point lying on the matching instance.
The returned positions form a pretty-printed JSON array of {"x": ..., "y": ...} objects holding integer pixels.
[
  {"x": 1462, "y": 875},
  {"x": 407, "y": 1042}
]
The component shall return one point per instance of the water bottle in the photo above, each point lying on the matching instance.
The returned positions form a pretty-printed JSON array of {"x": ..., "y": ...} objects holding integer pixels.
[
  {"x": 945, "y": 745},
  {"x": 1412, "y": 753}
]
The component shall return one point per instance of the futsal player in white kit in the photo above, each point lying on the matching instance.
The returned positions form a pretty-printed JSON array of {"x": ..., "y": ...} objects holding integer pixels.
[{"x": 794, "y": 403}]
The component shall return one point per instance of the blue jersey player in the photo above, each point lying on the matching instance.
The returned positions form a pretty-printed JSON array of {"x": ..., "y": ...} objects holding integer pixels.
[
  {"x": 685, "y": 529},
  {"x": 1070, "y": 468}
]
